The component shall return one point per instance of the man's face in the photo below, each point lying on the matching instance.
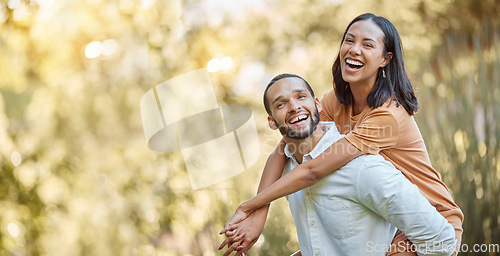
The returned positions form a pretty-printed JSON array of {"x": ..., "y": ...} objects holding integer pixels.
[{"x": 293, "y": 109}]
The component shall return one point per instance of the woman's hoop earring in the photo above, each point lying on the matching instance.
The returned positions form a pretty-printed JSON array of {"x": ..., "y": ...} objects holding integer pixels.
[{"x": 383, "y": 73}]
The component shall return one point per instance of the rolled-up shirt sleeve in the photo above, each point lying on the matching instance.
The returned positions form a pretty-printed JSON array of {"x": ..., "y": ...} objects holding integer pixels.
[{"x": 384, "y": 190}]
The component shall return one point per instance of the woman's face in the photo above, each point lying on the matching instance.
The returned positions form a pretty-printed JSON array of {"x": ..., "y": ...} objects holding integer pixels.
[{"x": 362, "y": 54}]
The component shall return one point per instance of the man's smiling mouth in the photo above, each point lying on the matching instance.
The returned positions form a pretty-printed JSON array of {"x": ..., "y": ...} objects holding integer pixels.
[{"x": 298, "y": 119}]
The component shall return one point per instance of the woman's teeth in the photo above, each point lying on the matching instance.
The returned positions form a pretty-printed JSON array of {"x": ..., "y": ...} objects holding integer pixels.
[{"x": 354, "y": 63}]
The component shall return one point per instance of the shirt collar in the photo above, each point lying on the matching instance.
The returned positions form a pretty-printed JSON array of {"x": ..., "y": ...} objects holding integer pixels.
[{"x": 331, "y": 136}]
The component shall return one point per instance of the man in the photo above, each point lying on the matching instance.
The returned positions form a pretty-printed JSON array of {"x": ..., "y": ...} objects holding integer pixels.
[{"x": 357, "y": 209}]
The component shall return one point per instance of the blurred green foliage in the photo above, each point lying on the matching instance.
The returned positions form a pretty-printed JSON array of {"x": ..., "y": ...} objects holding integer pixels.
[
  {"x": 462, "y": 126},
  {"x": 77, "y": 177}
]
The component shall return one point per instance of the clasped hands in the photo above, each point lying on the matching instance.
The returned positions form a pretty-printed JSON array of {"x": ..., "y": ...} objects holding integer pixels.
[{"x": 242, "y": 231}]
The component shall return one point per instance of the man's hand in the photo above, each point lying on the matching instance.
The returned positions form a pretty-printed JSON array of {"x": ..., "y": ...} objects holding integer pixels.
[
  {"x": 272, "y": 172},
  {"x": 247, "y": 242},
  {"x": 243, "y": 235},
  {"x": 238, "y": 217}
]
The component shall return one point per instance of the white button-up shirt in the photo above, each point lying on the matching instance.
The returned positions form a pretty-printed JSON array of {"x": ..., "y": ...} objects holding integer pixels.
[{"x": 357, "y": 209}]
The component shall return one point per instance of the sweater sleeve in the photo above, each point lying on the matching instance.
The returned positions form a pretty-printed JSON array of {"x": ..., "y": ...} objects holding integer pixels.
[
  {"x": 377, "y": 130},
  {"x": 327, "y": 102}
]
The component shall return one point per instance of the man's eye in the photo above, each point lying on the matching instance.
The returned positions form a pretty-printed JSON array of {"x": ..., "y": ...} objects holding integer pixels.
[
  {"x": 348, "y": 40},
  {"x": 301, "y": 96},
  {"x": 280, "y": 105}
]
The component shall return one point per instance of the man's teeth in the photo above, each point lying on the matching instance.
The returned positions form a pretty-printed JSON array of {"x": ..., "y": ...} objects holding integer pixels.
[
  {"x": 353, "y": 62},
  {"x": 298, "y": 118}
]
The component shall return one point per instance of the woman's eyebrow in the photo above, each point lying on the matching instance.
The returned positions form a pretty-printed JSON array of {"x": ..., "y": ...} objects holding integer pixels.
[{"x": 364, "y": 39}]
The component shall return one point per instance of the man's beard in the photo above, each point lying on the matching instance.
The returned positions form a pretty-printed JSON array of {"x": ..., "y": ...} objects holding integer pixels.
[{"x": 292, "y": 134}]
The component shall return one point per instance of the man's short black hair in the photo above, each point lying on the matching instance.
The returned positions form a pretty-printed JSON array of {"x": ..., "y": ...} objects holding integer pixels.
[{"x": 278, "y": 77}]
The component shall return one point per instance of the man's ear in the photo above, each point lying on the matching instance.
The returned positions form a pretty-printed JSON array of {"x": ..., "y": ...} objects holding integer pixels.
[
  {"x": 318, "y": 104},
  {"x": 272, "y": 124},
  {"x": 387, "y": 59}
]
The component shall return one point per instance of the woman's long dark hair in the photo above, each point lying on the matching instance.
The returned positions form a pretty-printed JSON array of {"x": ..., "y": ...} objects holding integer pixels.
[{"x": 396, "y": 85}]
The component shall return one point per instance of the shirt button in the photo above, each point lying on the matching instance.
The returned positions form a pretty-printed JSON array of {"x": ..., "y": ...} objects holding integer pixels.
[
  {"x": 307, "y": 194},
  {"x": 312, "y": 223},
  {"x": 317, "y": 253}
]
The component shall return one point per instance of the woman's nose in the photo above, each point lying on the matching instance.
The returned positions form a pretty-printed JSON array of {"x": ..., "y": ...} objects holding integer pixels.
[{"x": 355, "y": 50}]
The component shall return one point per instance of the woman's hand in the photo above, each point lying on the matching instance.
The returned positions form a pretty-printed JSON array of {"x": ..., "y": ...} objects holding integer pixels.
[
  {"x": 243, "y": 235},
  {"x": 232, "y": 241},
  {"x": 238, "y": 217},
  {"x": 242, "y": 243},
  {"x": 233, "y": 234},
  {"x": 251, "y": 227}
]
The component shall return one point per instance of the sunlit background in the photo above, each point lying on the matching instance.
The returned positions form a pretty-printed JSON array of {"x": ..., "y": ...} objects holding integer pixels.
[{"x": 77, "y": 177}]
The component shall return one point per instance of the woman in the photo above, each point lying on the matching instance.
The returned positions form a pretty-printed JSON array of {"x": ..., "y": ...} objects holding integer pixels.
[{"x": 372, "y": 102}]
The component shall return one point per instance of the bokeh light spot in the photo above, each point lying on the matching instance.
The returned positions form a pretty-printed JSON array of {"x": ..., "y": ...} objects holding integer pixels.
[
  {"x": 479, "y": 193},
  {"x": 20, "y": 13},
  {"x": 147, "y": 3},
  {"x": 45, "y": 3},
  {"x": 217, "y": 64},
  {"x": 13, "y": 4},
  {"x": 260, "y": 241},
  {"x": 150, "y": 216},
  {"x": 226, "y": 63},
  {"x": 481, "y": 147},
  {"x": 16, "y": 158},
  {"x": 109, "y": 47},
  {"x": 13, "y": 229},
  {"x": 93, "y": 50},
  {"x": 214, "y": 65}
]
